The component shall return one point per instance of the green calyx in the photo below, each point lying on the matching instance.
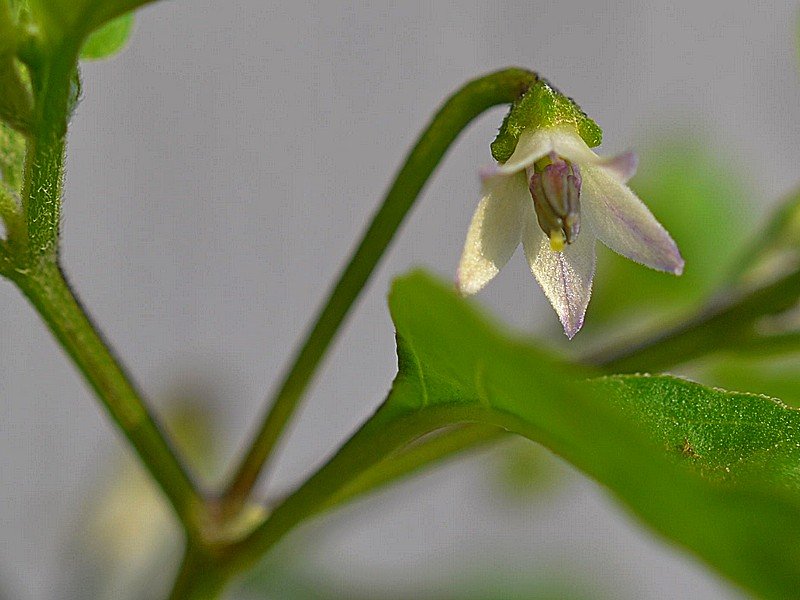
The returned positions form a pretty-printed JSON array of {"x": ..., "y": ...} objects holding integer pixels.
[{"x": 542, "y": 105}]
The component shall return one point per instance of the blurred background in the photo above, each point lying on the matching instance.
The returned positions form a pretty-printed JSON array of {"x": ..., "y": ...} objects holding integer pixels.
[{"x": 219, "y": 171}]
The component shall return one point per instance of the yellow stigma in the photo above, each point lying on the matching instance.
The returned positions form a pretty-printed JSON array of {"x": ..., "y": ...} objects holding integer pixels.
[{"x": 557, "y": 240}]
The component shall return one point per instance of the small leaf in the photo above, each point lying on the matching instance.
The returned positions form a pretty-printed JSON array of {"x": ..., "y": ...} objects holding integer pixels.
[
  {"x": 775, "y": 251},
  {"x": 109, "y": 39}
]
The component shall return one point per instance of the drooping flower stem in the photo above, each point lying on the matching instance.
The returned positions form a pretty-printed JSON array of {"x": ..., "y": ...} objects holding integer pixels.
[{"x": 459, "y": 110}]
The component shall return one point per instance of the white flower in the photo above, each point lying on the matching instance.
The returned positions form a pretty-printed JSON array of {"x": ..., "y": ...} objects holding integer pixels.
[{"x": 556, "y": 196}]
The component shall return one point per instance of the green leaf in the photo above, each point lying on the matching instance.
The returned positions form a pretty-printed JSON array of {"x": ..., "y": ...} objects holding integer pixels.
[
  {"x": 74, "y": 20},
  {"x": 15, "y": 97},
  {"x": 109, "y": 39},
  {"x": 717, "y": 472}
]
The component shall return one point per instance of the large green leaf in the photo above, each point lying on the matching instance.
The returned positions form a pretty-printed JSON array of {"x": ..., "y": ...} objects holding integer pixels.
[{"x": 716, "y": 472}]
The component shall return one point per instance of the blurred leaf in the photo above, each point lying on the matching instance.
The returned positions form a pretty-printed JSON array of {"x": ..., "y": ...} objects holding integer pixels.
[
  {"x": 700, "y": 201},
  {"x": 125, "y": 542},
  {"x": 714, "y": 471},
  {"x": 12, "y": 157},
  {"x": 76, "y": 19},
  {"x": 779, "y": 378},
  {"x": 7, "y": 26},
  {"x": 775, "y": 251},
  {"x": 109, "y": 39},
  {"x": 16, "y": 103}
]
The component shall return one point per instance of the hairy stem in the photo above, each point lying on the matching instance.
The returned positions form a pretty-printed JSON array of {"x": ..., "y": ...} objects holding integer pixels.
[
  {"x": 44, "y": 159},
  {"x": 32, "y": 263},
  {"x": 459, "y": 110}
]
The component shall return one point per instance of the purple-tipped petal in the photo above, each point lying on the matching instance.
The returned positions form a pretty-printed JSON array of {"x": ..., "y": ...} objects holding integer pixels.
[
  {"x": 623, "y": 223},
  {"x": 494, "y": 232},
  {"x": 623, "y": 166},
  {"x": 488, "y": 172},
  {"x": 565, "y": 277}
]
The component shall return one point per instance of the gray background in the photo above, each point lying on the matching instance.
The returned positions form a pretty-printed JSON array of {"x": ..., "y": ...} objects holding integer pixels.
[{"x": 218, "y": 173}]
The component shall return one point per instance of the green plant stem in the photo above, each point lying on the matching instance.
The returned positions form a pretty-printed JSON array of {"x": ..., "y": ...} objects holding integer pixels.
[
  {"x": 50, "y": 294},
  {"x": 439, "y": 446},
  {"x": 406, "y": 445},
  {"x": 199, "y": 578},
  {"x": 770, "y": 345},
  {"x": 32, "y": 263},
  {"x": 719, "y": 328},
  {"x": 381, "y": 437},
  {"x": 44, "y": 159},
  {"x": 467, "y": 103},
  {"x": 36, "y": 271}
]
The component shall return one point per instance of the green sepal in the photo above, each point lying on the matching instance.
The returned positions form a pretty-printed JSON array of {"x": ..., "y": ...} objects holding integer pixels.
[{"x": 542, "y": 105}]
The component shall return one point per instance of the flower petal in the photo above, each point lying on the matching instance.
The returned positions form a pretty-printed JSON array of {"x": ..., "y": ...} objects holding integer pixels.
[
  {"x": 623, "y": 166},
  {"x": 566, "y": 276},
  {"x": 494, "y": 233},
  {"x": 623, "y": 223},
  {"x": 532, "y": 146},
  {"x": 568, "y": 144}
]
